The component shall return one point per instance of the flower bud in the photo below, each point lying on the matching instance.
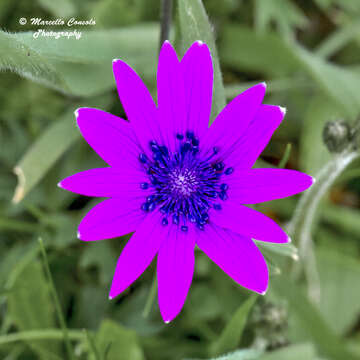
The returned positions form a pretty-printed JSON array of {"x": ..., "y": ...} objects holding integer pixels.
[{"x": 337, "y": 135}]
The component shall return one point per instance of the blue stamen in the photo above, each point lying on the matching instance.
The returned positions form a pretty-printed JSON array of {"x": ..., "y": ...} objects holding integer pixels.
[
  {"x": 143, "y": 158},
  {"x": 229, "y": 171},
  {"x": 224, "y": 187},
  {"x": 144, "y": 185},
  {"x": 164, "y": 221}
]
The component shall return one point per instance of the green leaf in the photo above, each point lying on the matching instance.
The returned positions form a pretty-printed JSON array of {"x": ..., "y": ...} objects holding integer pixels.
[
  {"x": 195, "y": 25},
  {"x": 281, "y": 249},
  {"x": 269, "y": 54},
  {"x": 339, "y": 276},
  {"x": 79, "y": 67},
  {"x": 56, "y": 139},
  {"x": 311, "y": 320},
  {"x": 284, "y": 13},
  {"x": 246, "y": 354},
  {"x": 231, "y": 334},
  {"x": 30, "y": 307},
  {"x": 119, "y": 342}
]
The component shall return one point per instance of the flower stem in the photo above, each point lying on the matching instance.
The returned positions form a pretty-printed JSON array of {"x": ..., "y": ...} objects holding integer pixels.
[
  {"x": 64, "y": 329},
  {"x": 151, "y": 297},
  {"x": 165, "y": 19},
  {"x": 300, "y": 226}
]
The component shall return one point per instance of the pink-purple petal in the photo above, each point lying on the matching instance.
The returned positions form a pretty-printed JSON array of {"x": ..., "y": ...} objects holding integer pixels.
[
  {"x": 197, "y": 71},
  {"x": 175, "y": 268},
  {"x": 171, "y": 99},
  {"x": 111, "y": 218},
  {"x": 106, "y": 182},
  {"x": 138, "y": 104},
  {"x": 259, "y": 185},
  {"x": 248, "y": 222},
  {"x": 232, "y": 122},
  {"x": 249, "y": 146},
  {"x": 237, "y": 256},
  {"x": 138, "y": 253},
  {"x": 110, "y": 136}
]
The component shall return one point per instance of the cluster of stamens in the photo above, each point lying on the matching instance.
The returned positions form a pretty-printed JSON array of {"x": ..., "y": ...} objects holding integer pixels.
[{"x": 185, "y": 184}]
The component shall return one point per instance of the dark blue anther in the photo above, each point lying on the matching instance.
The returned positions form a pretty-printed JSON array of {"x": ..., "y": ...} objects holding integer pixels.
[
  {"x": 195, "y": 150},
  {"x": 217, "y": 206},
  {"x": 192, "y": 218},
  {"x": 200, "y": 227},
  {"x": 184, "y": 228},
  {"x": 195, "y": 141},
  {"x": 154, "y": 148},
  {"x": 189, "y": 134},
  {"x": 186, "y": 147},
  {"x": 152, "y": 142},
  {"x": 163, "y": 210},
  {"x": 158, "y": 156},
  {"x": 219, "y": 166},
  {"x": 179, "y": 136},
  {"x": 229, "y": 171},
  {"x": 144, "y": 185},
  {"x": 152, "y": 206},
  {"x": 223, "y": 195},
  {"x": 175, "y": 219},
  {"x": 164, "y": 221},
  {"x": 145, "y": 206},
  {"x": 201, "y": 222},
  {"x": 224, "y": 187},
  {"x": 150, "y": 198},
  {"x": 143, "y": 158},
  {"x": 205, "y": 217},
  {"x": 215, "y": 149},
  {"x": 153, "y": 179}
]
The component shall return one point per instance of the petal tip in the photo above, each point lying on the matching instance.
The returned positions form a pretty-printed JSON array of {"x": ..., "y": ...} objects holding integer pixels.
[
  {"x": 59, "y": 185},
  {"x": 78, "y": 235},
  {"x": 263, "y": 292},
  {"x": 263, "y": 84},
  {"x": 283, "y": 110},
  {"x": 313, "y": 180},
  {"x": 115, "y": 60},
  {"x": 199, "y": 42},
  {"x": 110, "y": 297},
  {"x": 167, "y": 321},
  {"x": 288, "y": 240}
]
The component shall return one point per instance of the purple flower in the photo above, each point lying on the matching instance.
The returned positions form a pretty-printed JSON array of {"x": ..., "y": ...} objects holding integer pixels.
[{"x": 178, "y": 183}]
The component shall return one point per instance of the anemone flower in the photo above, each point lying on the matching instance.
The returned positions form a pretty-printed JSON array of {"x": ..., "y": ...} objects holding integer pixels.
[{"x": 178, "y": 183}]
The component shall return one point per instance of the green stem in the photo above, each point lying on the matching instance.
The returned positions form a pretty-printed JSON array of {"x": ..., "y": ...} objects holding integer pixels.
[
  {"x": 47, "y": 334},
  {"x": 64, "y": 329},
  {"x": 301, "y": 224},
  {"x": 165, "y": 19},
  {"x": 285, "y": 157}
]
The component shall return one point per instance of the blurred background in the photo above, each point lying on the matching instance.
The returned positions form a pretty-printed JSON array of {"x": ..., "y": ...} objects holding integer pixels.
[{"x": 308, "y": 52}]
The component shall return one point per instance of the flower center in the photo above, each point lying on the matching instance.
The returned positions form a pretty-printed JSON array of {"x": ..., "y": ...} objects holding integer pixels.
[{"x": 184, "y": 184}]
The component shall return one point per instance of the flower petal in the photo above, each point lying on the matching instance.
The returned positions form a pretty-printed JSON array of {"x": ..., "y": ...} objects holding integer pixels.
[
  {"x": 258, "y": 185},
  {"x": 171, "y": 99},
  {"x": 111, "y": 218},
  {"x": 106, "y": 182},
  {"x": 175, "y": 268},
  {"x": 138, "y": 253},
  {"x": 230, "y": 125},
  {"x": 248, "y": 222},
  {"x": 250, "y": 145},
  {"x": 197, "y": 70},
  {"x": 110, "y": 136},
  {"x": 137, "y": 103},
  {"x": 237, "y": 256}
]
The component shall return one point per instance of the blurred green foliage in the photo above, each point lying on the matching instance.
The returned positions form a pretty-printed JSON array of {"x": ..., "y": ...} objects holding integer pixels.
[{"x": 309, "y": 54}]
